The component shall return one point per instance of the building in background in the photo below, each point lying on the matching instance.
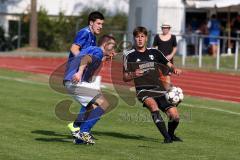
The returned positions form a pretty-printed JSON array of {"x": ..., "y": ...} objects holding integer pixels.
[
  {"x": 153, "y": 13},
  {"x": 182, "y": 15}
]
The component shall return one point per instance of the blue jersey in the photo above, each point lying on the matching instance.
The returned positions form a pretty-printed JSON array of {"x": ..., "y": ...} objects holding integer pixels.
[
  {"x": 73, "y": 63},
  {"x": 215, "y": 26},
  {"x": 84, "y": 39}
]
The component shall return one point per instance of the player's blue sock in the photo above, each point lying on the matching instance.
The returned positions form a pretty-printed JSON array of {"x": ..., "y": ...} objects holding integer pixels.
[
  {"x": 92, "y": 119},
  {"x": 80, "y": 117}
]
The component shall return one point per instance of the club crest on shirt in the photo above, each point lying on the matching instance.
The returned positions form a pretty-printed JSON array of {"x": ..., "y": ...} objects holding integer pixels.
[
  {"x": 138, "y": 60},
  {"x": 151, "y": 57}
]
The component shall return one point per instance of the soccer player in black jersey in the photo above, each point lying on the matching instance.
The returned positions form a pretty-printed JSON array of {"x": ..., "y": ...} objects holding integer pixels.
[{"x": 142, "y": 65}]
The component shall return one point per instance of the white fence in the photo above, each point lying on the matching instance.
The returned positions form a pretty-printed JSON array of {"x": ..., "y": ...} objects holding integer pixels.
[
  {"x": 199, "y": 45},
  {"x": 200, "y": 48}
]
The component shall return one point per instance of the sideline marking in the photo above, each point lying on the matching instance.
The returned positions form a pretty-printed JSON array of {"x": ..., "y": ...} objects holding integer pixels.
[{"x": 211, "y": 108}]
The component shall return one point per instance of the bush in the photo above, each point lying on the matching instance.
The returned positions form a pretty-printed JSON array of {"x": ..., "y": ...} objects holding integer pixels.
[{"x": 57, "y": 33}]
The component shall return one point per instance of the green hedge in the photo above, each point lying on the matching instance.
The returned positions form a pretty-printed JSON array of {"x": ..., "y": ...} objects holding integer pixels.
[{"x": 57, "y": 33}]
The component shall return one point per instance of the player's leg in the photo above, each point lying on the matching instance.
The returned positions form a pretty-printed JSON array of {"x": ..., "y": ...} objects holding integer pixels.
[
  {"x": 79, "y": 119},
  {"x": 95, "y": 111},
  {"x": 83, "y": 95},
  {"x": 173, "y": 123},
  {"x": 151, "y": 104},
  {"x": 74, "y": 127},
  {"x": 83, "y": 100}
]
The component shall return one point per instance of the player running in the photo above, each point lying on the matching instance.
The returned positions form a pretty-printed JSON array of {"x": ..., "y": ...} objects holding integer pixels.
[
  {"x": 142, "y": 66},
  {"x": 78, "y": 82},
  {"x": 85, "y": 37}
]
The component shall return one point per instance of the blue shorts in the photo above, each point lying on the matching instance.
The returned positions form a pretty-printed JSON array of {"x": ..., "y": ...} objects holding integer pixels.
[{"x": 213, "y": 41}]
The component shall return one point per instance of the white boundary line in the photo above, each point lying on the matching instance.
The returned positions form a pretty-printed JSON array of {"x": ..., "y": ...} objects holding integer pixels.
[
  {"x": 23, "y": 80},
  {"x": 210, "y": 108}
]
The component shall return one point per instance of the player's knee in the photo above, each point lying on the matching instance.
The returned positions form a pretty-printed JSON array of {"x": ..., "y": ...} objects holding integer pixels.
[
  {"x": 103, "y": 103},
  {"x": 151, "y": 104},
  {"x": 153, "y": 108},
  {"x": 175, "y": 118}
]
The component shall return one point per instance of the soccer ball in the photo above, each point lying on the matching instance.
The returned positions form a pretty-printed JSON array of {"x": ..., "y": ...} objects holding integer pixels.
[{"x": 174, "y": 95}]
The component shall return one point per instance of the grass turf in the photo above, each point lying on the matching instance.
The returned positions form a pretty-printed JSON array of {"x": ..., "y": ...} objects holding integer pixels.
[{"x": 31, "y": 130}]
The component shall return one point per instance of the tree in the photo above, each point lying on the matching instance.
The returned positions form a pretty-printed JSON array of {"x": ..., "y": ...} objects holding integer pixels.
[{"x": 33, "y": 36}]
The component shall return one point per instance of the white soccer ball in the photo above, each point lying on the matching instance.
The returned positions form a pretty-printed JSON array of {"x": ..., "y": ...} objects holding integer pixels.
[{"x": 174, "y": 95}]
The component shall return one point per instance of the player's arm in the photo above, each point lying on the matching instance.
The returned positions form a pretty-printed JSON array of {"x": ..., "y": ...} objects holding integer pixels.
[
  {"x": 83, "y": 64},
  {"x": 173, "y": 69},
  {"x": 128, "y": 76},
  {"x": 79, "y": 41},
  {"x": 162, "y": 59},
  {"x": 75, "y": 49},
  {"x": 128, "y": 73}
]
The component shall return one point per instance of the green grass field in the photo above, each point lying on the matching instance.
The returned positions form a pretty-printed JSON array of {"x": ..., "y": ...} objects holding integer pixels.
[{"x": 29, "y": 128}]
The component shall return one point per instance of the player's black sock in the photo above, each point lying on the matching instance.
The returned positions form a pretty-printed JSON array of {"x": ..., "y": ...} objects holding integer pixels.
[
  {"x": 159, "y": 122},
  {"x": 172, "y": 125}
]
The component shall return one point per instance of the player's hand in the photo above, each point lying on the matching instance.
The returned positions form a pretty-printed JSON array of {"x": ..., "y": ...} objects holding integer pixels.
[
  {"x": 76, "y": 77},
  {"x": 138, "y": 73},
  {"x": 177, "y": 71},
  {"x": 113, "y": 53}
]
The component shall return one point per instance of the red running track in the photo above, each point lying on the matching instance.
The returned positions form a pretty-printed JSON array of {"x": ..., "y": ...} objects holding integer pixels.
[{"x": 195, "y": 83}]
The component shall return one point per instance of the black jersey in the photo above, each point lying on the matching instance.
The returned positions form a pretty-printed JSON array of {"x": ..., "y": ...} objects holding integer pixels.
[{"x": 150, "y": 61}]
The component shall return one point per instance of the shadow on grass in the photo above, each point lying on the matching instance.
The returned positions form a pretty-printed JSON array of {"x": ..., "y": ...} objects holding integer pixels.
[
  {"x": 66, "y": 138},
  {"x": 124, "y": 136},
  {"x": 51, "y": 133},
  {"x": 57, "y": 136}
]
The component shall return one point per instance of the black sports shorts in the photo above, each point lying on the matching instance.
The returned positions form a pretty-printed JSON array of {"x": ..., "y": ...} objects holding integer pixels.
[{"x": 157, "y": 94}]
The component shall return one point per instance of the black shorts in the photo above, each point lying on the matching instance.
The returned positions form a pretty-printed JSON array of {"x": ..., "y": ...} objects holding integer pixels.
[{"x": 157, "y": 94}]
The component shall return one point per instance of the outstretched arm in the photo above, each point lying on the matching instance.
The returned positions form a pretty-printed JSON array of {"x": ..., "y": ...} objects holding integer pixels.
[
  {"x": 173, "y": 69},
  {"x": 83, "y": 64}
]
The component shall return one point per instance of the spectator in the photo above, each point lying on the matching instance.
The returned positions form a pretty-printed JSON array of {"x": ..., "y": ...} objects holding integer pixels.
[
  {"x": 167, "y": 44},
  {"x": 235, "y": 26},
  {"x": 214, "y": 30}
]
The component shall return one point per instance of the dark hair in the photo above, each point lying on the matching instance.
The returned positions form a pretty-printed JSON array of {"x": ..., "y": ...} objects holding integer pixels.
[
  {"x": 105, "y": 38},
  {"x": 138, "y": 30},
  {"x": 93, "y": 16}
]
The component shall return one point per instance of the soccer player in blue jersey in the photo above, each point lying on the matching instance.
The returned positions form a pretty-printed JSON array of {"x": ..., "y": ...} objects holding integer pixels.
[
  {"x": 85, "y": 37},
  {"x": 78, "y": 82}
]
